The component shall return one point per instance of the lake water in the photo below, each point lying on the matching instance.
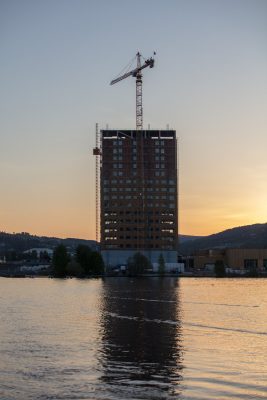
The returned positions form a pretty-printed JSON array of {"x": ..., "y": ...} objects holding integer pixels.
[{"x": 129, "y": 339}]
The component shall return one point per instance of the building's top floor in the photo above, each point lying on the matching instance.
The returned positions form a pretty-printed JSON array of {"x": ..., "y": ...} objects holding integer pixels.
[{"x": 133, "y": 134}]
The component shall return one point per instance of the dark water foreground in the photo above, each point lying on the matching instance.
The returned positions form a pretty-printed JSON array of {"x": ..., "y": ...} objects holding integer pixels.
[{"x": 133, "y": 339}]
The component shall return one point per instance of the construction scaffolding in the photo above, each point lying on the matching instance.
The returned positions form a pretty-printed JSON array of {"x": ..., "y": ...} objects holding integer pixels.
[{"x": 97, "y": 154}]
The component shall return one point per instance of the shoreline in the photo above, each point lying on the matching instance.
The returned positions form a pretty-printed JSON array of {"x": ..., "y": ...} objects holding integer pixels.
[{"x": 16, "y": 276}]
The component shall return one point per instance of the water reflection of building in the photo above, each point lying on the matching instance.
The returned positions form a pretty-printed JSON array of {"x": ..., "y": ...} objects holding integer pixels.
[{"x": 141, "y": 337}]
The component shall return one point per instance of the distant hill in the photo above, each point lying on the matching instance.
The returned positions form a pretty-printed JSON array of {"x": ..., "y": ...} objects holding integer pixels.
[
  {"x": 249, "y": 236},
  {"x": 20, "y": 242},
  {"x": 186, "y": 238}
]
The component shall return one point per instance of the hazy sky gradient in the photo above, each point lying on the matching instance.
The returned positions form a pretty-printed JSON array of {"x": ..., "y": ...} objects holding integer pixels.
[{"x": 209, "y": 83}]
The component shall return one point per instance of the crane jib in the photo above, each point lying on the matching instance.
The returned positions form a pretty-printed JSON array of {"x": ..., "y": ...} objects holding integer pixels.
[{"x": 136, "y": 73}]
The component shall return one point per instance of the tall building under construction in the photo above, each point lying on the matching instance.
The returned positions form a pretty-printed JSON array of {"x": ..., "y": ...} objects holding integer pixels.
[{"x": 138, "y": 199}]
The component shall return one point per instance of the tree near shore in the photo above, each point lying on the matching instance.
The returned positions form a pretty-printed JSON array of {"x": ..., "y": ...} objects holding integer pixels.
[
  {"x": 74, "y": 269},
  {"x": 60, "y": 261},
  {"x": 219, "y": 269},
  {"x": 90, "y": 261},
  {"x": 138, "y": 264},
  {"x": 83, "y": 256},
  {"x": 161, "y": 265},
  {"x": 85, "y": 262},
  {"x": 97, "y": 266}
]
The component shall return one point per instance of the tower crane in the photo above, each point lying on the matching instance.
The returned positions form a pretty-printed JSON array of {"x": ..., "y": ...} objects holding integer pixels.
[{"x": 137, "y": 73}]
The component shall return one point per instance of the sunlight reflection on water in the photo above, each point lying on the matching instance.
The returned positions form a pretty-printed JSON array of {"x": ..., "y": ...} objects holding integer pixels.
[{"x": 133, "y": 339}]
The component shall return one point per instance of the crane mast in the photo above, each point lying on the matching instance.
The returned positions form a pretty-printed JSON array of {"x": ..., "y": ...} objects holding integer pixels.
[
  {"x": 136, "y": 73},
  {"x": 139, "y": 102}
]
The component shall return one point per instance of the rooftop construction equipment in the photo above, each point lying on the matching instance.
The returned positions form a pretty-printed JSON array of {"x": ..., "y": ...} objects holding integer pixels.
[{"x": 136, "y": 73}]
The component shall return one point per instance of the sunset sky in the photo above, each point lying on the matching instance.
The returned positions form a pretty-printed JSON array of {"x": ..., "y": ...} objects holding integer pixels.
[{"x": 209, "y": 83}]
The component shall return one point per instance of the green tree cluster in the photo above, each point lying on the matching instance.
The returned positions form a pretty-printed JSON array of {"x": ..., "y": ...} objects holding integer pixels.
[
  {"x": 161, "y": 265},
  {"x": 85, "y": 262},
  {"x": 60, "y": 260},
  {"x": 138, "y": 264},
  {"x": 219, "y": 269}
]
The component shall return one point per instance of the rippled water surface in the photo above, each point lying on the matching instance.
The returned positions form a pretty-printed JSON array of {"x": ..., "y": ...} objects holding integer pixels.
[{"x": 128, "y": 339}]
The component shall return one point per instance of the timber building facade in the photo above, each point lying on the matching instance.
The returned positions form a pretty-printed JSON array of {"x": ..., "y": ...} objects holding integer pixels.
[{"x": 139, "y": 191}]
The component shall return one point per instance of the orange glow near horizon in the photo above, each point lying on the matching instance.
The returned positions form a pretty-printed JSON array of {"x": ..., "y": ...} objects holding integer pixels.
[
  {"x": 208, "y": 83},
  {"x": 199, "y": 216}
]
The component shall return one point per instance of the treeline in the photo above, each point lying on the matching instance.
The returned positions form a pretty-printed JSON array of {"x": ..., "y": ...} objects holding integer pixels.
[
  {"x": 20, "y": 242},
  {"x": 84, "y": 262}
]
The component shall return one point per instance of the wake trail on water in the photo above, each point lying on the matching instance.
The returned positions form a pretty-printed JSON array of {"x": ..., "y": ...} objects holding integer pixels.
[
  {"x": 179, "y": 323},
  {"x": 185, "y": 302}
]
